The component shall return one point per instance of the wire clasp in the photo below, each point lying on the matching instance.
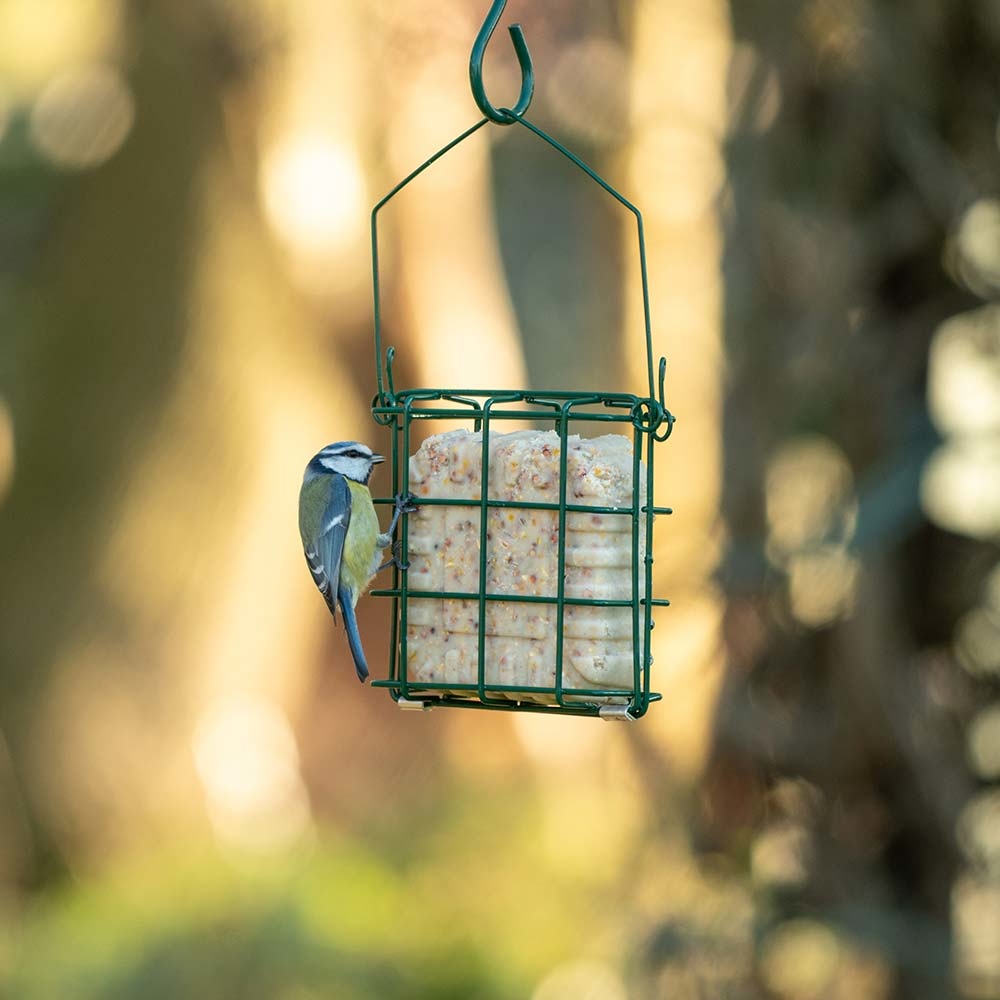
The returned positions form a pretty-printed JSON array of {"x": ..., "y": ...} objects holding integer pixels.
[{"x": 502, "y": 116}]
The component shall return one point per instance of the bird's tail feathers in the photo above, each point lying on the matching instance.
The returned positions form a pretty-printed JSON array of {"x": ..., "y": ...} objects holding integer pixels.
[{"x": 353, "y": 636}]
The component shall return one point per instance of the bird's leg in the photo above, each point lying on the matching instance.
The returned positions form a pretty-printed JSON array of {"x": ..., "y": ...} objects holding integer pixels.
[{"x": 404, "y": 505}]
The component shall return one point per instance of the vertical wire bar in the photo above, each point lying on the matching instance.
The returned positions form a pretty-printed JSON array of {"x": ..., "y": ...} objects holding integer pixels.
[
  {"x": 637, "y": 652},
  {"x": 646, "y": 318},
  {"x": 377, "y": 312},
  {"x": 642, "y": 448},
  {"x": 484, "y": 481},
  {"x": 396, "y": 571},
  {"x": 647, "y": 656},
  {"x": 404, "y": 588},
  {"x": 561, "y": 550}
]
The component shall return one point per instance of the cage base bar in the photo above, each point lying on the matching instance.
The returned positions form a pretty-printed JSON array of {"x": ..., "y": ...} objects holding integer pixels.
[{"x": 622, "y": 713}]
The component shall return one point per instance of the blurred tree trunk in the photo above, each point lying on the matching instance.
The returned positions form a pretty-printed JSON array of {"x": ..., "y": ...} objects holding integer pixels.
[
  {"x": 678, "y": 102},
  {"x": 166, "y": 398},
  {"x": 858, "y": 133},
  {"x": 103, "y": 339}
]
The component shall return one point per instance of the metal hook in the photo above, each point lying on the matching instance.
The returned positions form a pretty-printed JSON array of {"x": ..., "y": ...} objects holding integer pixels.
[
  {"x": 668, "y": 417},
  {"x": 502, "y": 116}
]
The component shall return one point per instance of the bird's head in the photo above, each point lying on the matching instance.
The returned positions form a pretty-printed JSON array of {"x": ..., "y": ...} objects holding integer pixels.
[{"x": 350, "y": 459}]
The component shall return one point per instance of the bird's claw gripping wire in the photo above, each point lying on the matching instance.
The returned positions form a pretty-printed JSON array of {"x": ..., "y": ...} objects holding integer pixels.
[
  {"x": 397, "y": 548},
  {"x": 406, "y": 503}
]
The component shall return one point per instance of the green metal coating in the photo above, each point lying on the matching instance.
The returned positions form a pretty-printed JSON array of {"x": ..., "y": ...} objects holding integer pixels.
[
  {"x": 647, "y": 416},
  {"x": 501, "y": 116},
  {"x": 470, "y": 595},
  {"x": 483, "y": 533}
]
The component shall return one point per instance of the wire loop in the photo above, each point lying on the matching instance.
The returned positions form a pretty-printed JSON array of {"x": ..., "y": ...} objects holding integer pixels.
[
  {"x": 649, "y": 415},
  {"x": 502, "y": 116}
]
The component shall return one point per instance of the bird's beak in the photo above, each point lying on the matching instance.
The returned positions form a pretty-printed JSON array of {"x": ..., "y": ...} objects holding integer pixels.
[{"x": 377, "y": 459}]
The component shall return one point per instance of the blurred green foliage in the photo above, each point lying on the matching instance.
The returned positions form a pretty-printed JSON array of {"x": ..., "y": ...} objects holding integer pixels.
[{"x": 338, "y": 924}]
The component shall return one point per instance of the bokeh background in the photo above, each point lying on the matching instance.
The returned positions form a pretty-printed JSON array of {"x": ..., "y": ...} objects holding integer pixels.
[{"x": 197, "y": 799}]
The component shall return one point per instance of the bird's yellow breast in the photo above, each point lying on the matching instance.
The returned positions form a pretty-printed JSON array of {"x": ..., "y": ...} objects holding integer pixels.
[{"x": 362, "y": 554}]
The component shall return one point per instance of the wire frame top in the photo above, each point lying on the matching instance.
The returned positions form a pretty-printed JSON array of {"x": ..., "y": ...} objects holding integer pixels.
[{"x": 653, "y": 416}]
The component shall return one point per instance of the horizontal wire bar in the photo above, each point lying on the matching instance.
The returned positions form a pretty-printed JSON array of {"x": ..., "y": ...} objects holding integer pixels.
[
  {"x": 573, "y": 508},
  {"x": 431, "y": 686},
  {"x": 470, "y": 413},
  {"x": 457, "y": 595},
  {"x": 419, "y": 693},
  {"x": 516, "y": 395},
  {"x": 417, "y": 407}
]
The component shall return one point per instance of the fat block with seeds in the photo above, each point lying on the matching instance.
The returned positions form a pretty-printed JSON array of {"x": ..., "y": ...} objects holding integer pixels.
[{"x": 522, "y": 558}]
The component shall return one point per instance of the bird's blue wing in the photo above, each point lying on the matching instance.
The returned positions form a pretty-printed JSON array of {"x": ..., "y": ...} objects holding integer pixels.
[{"x": 324, "y": 557}]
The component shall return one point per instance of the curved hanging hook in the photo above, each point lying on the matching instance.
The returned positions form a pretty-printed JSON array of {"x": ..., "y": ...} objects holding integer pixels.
[
  {"x": 668, "y": 418},
  {"x": 502, "y": 116}
]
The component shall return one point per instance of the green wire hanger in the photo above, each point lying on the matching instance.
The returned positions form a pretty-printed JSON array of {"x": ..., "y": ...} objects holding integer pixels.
[
  {"x": 650, "y": 420},
  {"x": 651, "y": 415}
]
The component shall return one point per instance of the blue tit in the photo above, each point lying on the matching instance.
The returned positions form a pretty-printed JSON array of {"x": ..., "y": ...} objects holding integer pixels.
[{"x": 340, "y": 531}]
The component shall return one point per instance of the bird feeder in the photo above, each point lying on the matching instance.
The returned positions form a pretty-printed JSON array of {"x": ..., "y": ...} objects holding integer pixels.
[{"x": 471, "y": 627}]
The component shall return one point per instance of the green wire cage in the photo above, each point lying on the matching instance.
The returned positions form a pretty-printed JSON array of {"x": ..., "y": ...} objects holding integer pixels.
[{"x": 643, "y": 419}]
